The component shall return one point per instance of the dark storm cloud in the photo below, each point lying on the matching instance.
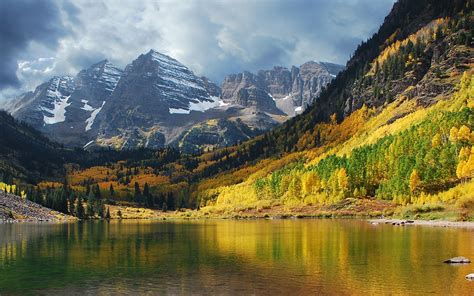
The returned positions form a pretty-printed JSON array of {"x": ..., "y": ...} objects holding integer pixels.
[
  {"x": 21, "y": 22},
  {"x": 212, "y": 37}
]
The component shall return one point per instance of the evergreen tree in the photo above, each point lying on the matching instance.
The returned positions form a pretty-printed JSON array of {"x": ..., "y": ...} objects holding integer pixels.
[
  {"x": 137, "y": 194},
  {"x": 170, "y": 202},
  {"x": 111, "y": 191},
  {"x": 90, "y": 210},
  {"x": 100, "y": 209},
  {"x": 80, "y": 209},
  {"x": 72, "y": 208},
  {"x": 148, "y": 196},
  {"x": 97, "y": 194}
]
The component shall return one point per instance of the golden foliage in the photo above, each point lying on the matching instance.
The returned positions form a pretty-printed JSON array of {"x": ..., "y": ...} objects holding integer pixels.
[
  {"x": 423, "y": 34},
  {"x": 7, "y": 188},
  {"x": 415, "y": 181},
  {"x": 436, "y": 141}
]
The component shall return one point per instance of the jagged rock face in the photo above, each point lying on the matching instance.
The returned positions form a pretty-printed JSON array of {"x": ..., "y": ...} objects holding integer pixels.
[
  {"x": 47, "y": 104},
  {"x": 234, "y": 83},
  {"x": 156, "y": 83},
  {"x": 278, "y": 81},
  {"x": 308, "y": 82},
  {"x": 211, "y": 87},
  {"x": 291, "y": 91},
  {"x": 65, "y": 108},
  {"x": 152, "y": 91}
]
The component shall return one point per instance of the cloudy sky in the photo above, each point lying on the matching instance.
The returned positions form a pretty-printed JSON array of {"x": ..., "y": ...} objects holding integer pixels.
[{"x": 42, "y": 38}]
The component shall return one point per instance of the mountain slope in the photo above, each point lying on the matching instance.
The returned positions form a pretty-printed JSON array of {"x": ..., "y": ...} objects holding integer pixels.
[
  {"x": 25, "y": 153},
  {"x": 386, "y": 127}
]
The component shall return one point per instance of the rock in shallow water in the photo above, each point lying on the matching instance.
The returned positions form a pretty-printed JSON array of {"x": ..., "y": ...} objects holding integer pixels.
[{"x": 458, "y": 260}]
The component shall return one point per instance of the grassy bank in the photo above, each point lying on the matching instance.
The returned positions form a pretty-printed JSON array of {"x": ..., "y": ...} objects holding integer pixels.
[{"x": 348, "y": 208}]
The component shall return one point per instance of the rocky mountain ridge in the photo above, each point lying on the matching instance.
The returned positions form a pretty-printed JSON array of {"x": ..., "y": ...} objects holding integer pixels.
[
  {"x": 156, "y": 101},
  {"x": 291, "y": 90}
]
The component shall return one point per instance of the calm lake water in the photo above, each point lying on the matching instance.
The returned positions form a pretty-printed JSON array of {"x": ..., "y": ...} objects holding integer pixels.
[{"x": 274, "y": 257}]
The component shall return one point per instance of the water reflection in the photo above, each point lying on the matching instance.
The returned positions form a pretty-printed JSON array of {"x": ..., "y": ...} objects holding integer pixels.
[{"x": 343, "y": 257}]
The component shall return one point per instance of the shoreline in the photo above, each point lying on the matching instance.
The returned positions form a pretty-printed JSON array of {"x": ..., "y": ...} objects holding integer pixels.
[
  {"x": 431, "y": 223},
  {"x": 383, "y": 221}
]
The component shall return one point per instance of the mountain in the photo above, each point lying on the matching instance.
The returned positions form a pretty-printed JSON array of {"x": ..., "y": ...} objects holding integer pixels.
[
  {"x": 292, "y": 91},
  {"x": 65, "y": 108},
  {"x": 157, "y": 101}
]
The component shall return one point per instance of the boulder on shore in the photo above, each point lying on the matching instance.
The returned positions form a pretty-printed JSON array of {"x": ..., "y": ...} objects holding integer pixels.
[{"x": 458, "y": 260}]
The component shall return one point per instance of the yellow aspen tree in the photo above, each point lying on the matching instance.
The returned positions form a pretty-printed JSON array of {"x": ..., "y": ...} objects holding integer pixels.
[
  {"x": 294, "y": 189},
  {"x": 342, "y": 179},
  {"x": 310, "y": 183},
  {"x": 464, "y": 153},
  {"x": 436, "y": 141},
  {"x": 461, "y": 169},
  {"x": 470, "y": 167},
  {"x": 464, "y": 133},
  {"x": 415, "y": 181},
  {"x": 453, "y": 134}
]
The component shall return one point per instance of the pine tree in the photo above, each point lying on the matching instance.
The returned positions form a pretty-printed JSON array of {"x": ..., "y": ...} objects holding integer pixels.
[
  {"x": 80, "y": 209},
  {"x": 90, "y": 210},
  {"x": 165, "y": 207},
  {"x": 148, "y": 196},
  {"x": 100, "y": 209},
  {"x": 137, "y": 194},
  {"x": 97, "y": 194},
  {"x": 72, "y": 208},
  {"x": 111, "y": 191}
]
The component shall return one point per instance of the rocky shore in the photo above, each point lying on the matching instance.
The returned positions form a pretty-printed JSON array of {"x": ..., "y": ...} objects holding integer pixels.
[
  {"x": 433, "y": 223},
  {"x": 15, "y": 209}
]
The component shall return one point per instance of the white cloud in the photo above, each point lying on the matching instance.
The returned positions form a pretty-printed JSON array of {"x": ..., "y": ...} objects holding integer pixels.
[{"x": 212, "y": 37}]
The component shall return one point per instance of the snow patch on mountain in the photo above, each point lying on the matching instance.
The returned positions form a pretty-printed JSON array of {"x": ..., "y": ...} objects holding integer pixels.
[
  {"x": 90, "y": 121},
  {"x": 223, "y": 104},
  {"x": 110, "y": 76},
  {"x": 88, "y": 143},
  {"x": 86, "y": 106},
  {"x": 178, "y": 111},
  {"x": 270, "y": 95},
  {"x": 58, "y": 112},
  {"x": 173, "y": 71},
  {"x": 200, "y": 106}
]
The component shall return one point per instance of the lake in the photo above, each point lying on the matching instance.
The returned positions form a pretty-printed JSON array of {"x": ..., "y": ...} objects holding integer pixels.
[{"x": 264, "y": 257}]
